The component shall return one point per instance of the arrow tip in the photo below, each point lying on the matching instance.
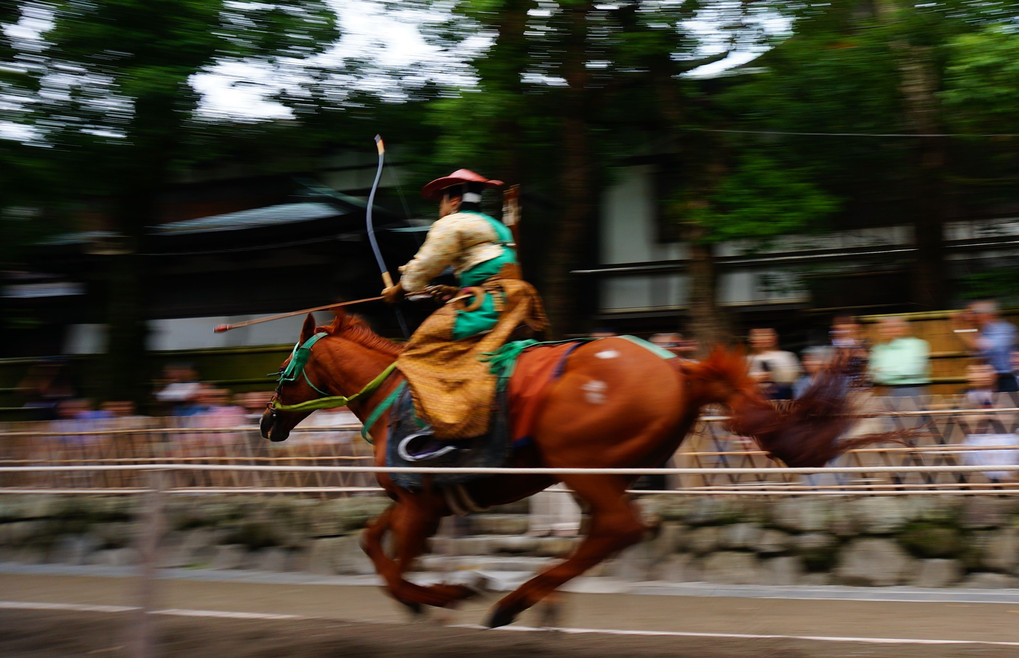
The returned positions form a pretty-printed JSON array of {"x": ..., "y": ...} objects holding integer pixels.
[{"x": 379, "y": 144}]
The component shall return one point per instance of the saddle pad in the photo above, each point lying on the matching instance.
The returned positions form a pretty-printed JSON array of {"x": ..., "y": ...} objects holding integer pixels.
[
  {"x": 488, "y": 450},
  {"x": 535, "y": 368}
]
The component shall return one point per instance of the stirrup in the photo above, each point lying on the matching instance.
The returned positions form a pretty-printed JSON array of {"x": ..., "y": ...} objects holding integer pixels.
[{"x": 428, "y": 447}]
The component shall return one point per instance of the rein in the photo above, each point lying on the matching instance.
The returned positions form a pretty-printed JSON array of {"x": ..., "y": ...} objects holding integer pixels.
[{"x": 299, "y": 359}]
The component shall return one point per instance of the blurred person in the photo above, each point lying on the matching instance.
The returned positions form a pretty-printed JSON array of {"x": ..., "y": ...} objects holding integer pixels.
[
  {"x": 215, "y": 408},
  {"x": 667, "y": 340},
  {"x": 848, "y": 341},
  {"x": 200, "y": 401},
  {"x": 125, "y": 443},
  {"x": 338, "y": 425},
  {"x": 179, "y": 388},
  {"x": 987, "y": 430},
  {"x": 990, "y": 337},
  {"x": 981, "y": 386},
  {"x": 212, "y": 409},
  {"x": 814, "y": 361},
  {"x": 1013, "y": 358},
  {"x": 77, "y": 432},
  {"x": 45, "y": 386},
  {"x": 452, "y": 389},
  {"x": 775, "y": 370},
  {"x": 672, "y": 342},
  {"x": 254, "y": 403},
  {"x": 675, "y": 343},
  {"x": 900, "y": 362}
]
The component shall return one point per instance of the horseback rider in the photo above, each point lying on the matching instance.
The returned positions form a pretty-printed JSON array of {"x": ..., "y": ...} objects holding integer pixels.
[{"x": 453, "y": 390}]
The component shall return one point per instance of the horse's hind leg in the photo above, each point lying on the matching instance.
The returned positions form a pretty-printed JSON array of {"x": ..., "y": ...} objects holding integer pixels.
[
  {"x": 614, "y": 525},
  {"x": 411, "y": 525}
]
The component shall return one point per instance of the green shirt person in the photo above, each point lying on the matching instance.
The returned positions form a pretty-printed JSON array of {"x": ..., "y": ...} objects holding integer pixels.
[{"x": 900, "y": 362}]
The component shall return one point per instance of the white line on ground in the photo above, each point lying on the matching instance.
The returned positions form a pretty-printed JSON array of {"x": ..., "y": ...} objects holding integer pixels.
[
  {"x": 226, "y": 614},
  {"x": 750, "y": 636},
  {"x": 176, "y": 612}
]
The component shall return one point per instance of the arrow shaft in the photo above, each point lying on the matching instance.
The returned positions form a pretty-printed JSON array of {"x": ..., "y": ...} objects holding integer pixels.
[{"x": 269, "y": 318}]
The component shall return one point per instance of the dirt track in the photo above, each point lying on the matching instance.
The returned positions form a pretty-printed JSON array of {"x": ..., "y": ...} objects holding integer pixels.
[{"x": 340, "y": 627}]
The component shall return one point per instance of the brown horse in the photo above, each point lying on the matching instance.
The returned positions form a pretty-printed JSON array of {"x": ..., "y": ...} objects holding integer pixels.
[{"x": 616, "y": 404}]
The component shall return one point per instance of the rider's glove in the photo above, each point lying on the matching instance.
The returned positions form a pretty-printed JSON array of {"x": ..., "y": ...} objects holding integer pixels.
[{"x": 393, "y": 294}]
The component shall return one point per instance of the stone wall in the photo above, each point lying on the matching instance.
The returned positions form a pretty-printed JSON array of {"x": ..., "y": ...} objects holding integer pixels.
[{"x": 925, "y": 541}]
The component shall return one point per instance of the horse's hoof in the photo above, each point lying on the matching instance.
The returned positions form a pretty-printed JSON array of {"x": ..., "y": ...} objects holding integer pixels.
[
  {"x": 500, "y": 617},
  {"x": 413, "y": 606}
]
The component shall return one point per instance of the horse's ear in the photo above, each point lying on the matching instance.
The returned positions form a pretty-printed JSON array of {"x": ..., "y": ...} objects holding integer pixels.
[{"x": 308, "y": 330}]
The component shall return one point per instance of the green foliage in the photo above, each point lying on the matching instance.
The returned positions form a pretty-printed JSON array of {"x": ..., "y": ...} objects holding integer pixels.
[
  {"x": 982, "y": 81},
  {"x": 998, "y": 283},
  {"x": 760, "y": 199},
  {"x": 826, "y": 88}
]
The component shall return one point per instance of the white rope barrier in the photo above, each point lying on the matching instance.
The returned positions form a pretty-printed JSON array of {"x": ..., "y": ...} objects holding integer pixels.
[
  {"x": 833, "y": 490},
  {"x": 720, "y": 470}
]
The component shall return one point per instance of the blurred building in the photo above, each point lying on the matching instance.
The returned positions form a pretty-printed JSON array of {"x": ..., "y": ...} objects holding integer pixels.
[
  {"x": 797, "y": 283},
  {"x": 224, "y": 249}
]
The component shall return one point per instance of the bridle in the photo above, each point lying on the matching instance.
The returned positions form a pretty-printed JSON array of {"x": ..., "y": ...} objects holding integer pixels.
[
  {"x": 295, "y": 369},
  {"x": 298, "y": 360}
]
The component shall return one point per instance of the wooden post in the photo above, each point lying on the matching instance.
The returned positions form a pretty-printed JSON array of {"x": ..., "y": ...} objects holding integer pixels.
[{"x": 150, "y": 529}]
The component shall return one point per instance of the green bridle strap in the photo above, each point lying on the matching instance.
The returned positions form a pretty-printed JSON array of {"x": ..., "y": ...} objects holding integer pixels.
[{"x": 334, "y": 401}]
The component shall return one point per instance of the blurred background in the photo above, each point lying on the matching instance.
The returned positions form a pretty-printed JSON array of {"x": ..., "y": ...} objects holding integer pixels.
[{"x": 701, "y": 167}]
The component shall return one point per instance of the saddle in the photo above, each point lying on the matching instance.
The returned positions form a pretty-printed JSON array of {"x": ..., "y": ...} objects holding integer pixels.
[{"x": 524, "y": 369}]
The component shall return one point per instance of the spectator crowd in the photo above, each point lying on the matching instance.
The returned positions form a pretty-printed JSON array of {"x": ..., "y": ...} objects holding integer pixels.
[{"x": 892, "y": 362}]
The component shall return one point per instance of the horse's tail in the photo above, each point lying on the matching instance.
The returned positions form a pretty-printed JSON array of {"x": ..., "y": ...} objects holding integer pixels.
[{"x": 809, "y": 431}]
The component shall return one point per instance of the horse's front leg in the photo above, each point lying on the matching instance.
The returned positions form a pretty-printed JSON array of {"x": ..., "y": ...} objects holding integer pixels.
[
  {"x": 411, "y": 523},
  {"x": 614, "y": 525},
  {"x": 388, "y": 569}
]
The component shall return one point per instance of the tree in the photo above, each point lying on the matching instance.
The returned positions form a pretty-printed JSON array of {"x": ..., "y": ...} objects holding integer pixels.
[
  {"x": 871, "y": 69},
  {"x": 981, "y": 99},
  {"x": 115, "y": 97},
  {"x": 554, "y": 102}
]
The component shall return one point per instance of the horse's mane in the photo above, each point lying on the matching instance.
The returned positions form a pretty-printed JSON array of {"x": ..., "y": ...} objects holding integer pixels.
[{"x": 355, "y": 329}]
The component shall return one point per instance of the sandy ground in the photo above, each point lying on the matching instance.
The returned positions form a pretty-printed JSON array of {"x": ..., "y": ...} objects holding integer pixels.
[{"x": 338, "y": 620}]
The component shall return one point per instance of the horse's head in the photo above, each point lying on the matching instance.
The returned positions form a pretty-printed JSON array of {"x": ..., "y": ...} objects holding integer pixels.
[
  {"x": 295, "y": 386},
  {"x": 345, "y": 358}
]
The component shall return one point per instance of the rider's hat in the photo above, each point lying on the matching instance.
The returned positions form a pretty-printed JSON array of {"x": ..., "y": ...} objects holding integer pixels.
[{"x": 464, "y": 177}]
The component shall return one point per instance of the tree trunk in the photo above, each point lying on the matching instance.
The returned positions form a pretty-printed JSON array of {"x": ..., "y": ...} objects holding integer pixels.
[
  {"x": 918, "y": 84},
  {"x": 156, "y": 125},
  {"x": 125, "y": 373},
  {"x": 578, "y": 218},
  {"x": 707, "y": 324}
]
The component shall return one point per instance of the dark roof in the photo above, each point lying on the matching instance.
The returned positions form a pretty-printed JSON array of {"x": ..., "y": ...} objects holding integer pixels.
[{"x": 283, "y": 213}]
